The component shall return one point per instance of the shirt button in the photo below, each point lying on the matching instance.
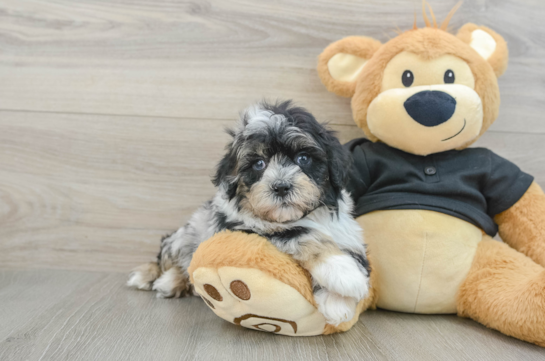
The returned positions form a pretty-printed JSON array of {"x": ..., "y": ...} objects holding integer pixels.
[{"x": 430, "y": 170}]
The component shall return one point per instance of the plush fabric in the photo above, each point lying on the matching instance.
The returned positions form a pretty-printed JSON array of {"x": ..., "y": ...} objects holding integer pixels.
[
  {"x": 523, "y": 225},
  {"x": 505, "y": 290},
  {"x": 423, "y": 260},
  {"x": 237, "y": 249},
  {"x": 252, "y": 298},
  {"x": 276, "y": 292},
  {"x": 495, "y": 285},
  {"x": 498, "y": 59},
  {"x": 345, "y": 67},
  {"x": 427, "y": 43},
  {"x": 359, "y": 46}
]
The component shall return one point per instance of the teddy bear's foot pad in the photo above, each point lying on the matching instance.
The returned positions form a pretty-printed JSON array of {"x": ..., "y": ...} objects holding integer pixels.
[{"x": 251, "y": 298}]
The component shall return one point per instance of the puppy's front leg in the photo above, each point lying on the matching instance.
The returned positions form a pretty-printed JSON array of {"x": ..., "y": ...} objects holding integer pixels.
[
  {"x": 339, "y": 280},
  {"x": 341, "y": 274},
  {"x": 341, "y": 285}
]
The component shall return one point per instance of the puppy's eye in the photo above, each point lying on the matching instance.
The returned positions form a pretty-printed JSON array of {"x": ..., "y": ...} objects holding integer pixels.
[
  {"x": 407, "y": 78},
  {"x": 303, "y": 159},
  {"x": 449, "y": 77},
  {"x": 259, "y": 165}
]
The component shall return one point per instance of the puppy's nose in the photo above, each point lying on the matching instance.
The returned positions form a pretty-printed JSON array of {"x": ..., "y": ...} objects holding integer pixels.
[
  {"x": 430, "y": 107},
  {"x": 281, "y": 189}
]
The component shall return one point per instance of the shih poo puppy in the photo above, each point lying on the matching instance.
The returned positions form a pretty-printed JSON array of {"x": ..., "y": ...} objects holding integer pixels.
[{"x": 283, "y": 178}]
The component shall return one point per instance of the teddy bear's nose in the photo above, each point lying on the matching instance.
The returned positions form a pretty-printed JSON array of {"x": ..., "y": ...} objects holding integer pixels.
[{"x": 430, "y": 107}]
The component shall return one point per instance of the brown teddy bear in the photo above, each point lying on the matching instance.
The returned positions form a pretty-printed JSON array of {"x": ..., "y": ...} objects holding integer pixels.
[{"x": 429, "y": 205}]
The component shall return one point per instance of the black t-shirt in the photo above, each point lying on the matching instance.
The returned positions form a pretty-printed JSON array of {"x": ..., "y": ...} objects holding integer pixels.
[{"x": 473, "y": 184}]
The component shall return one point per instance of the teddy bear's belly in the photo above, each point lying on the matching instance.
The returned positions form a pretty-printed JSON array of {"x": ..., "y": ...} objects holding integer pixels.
[{"x": 421, "y": 258}]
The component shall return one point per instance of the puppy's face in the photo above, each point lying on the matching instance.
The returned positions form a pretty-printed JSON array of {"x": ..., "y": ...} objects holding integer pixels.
[
  {"x": 279, "y": 166},
  {"x": 281, "y": 173}
]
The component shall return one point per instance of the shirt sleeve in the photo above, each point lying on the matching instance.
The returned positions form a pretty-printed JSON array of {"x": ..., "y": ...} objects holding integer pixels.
[
  {"x": 359, "y": 176},
  {"x": 505, "y": 186}
]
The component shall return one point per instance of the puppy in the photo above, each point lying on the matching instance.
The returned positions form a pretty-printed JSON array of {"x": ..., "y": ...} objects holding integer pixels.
[{"x": 282, "y": 178}]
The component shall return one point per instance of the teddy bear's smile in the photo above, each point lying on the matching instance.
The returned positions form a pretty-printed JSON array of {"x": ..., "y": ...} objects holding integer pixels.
[
  {"x": 426, "y": 106},
  {"x": 426, "y": 119},
  {"x": 461, "y": 130},
  {"x": 431, "y": 108},
  {"x": 422, "y": 99}
]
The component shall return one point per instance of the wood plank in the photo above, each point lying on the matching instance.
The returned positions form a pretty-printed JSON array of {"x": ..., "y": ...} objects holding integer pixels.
[
  {"x": 56, "y": 315},
  {"x": 94, "y": 192},
  {"x": 208, "y": 59},
  {"x": 82, "y": 191}
]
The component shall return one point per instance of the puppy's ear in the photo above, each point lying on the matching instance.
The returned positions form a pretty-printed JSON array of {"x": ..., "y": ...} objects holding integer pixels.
[
  {"x": 339, "y": 161},
  {"x": 488, "y": 44},
  {"x": 225, "y": 172},
  {"x": 342, "y": 61}
]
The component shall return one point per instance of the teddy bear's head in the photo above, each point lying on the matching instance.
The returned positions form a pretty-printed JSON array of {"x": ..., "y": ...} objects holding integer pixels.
[{"x": 424, "y": 91}]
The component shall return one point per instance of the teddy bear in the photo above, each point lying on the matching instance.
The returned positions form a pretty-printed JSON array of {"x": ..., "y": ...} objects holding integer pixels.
[{"x": 429, "y": 204}]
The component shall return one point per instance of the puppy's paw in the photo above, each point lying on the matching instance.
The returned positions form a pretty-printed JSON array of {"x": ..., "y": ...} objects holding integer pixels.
[
  {"x": 143, "y": 276},
  {"x": 341, "y": 274},
  {"x": 172, "y": 283},
  {"x": 335, "y": 308}
]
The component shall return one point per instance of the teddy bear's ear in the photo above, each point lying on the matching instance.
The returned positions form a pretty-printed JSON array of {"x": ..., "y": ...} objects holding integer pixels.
[
  {"x": 489, "y": 44},
  {"x": 342, "y": 61}
]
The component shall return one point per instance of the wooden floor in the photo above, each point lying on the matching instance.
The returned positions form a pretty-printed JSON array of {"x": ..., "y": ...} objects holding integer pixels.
[
  {"x": 111, "y": 121},
  {"x": 59, "y": 315}
]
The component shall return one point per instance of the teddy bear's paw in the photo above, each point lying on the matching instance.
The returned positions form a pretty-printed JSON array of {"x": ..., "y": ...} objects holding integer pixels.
[
  {"x": 251, "y": 298},
  {"x": 335, "y": 308},
  {"x": 340, "y": 274}
]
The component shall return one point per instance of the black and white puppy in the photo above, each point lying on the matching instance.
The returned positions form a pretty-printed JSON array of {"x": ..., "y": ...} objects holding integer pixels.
[{"x": 282, "y": 178}]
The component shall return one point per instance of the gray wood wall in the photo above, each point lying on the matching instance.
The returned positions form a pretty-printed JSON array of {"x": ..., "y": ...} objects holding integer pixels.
[{"x": 112, "y": 111}]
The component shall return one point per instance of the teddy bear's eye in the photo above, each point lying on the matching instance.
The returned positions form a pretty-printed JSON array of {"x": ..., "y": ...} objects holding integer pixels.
[
  {"x": 407, "y": 78},
  {"x": 449, "y": 77}
]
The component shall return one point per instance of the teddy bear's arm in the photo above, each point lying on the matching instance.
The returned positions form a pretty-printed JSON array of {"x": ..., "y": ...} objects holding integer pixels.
[
  {"x": 266, "y": 286},
  {"x": 523, "y": 225}
]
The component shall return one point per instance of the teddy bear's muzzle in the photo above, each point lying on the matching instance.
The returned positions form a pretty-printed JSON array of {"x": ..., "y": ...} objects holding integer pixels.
[{"x": 426, "y": 119}]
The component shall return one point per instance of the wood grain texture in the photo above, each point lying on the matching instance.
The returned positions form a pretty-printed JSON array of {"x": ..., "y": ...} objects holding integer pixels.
[
  {"x": 207, "y": 59},
  {"x": 111, "y": 118},
  {"x": 55, "y": 315},
  {"x": 94, "y": 192}
]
